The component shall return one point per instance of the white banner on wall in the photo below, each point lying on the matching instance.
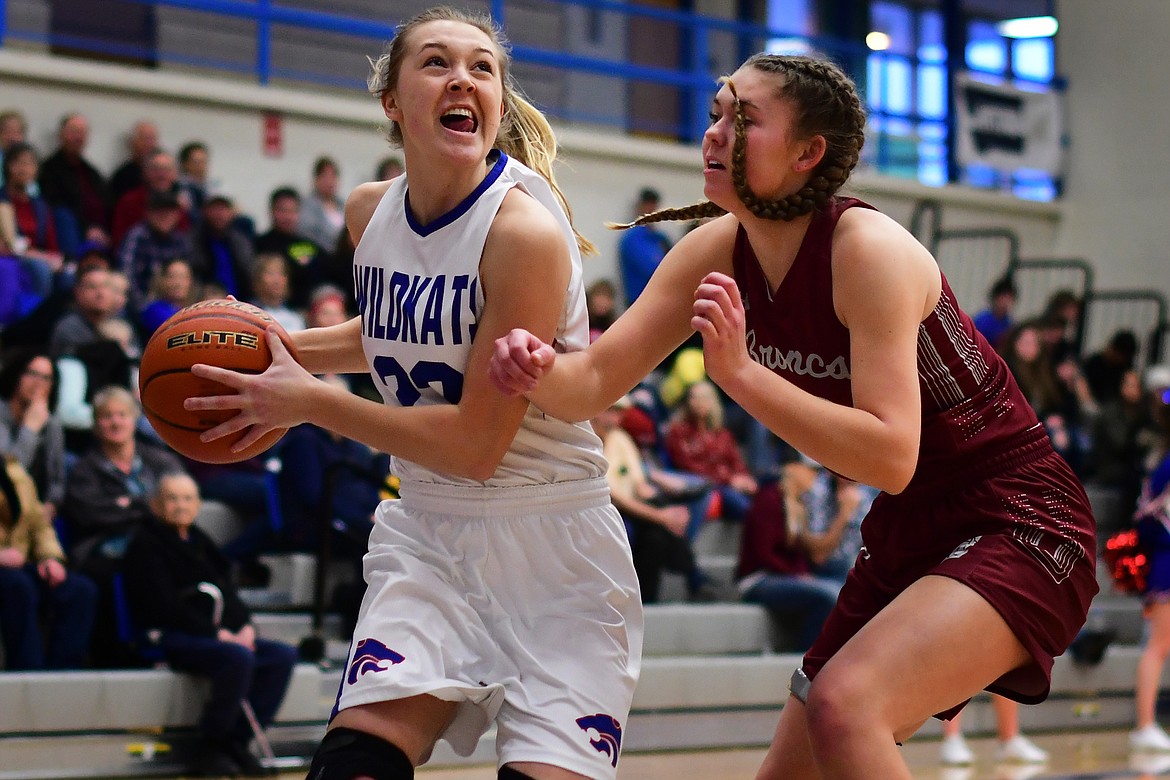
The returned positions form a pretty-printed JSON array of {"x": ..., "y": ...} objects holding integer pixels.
[{"x": 1005, "y": 127}]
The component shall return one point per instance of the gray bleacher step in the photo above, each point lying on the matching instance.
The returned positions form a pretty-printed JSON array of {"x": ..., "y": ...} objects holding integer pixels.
[
  {"x": 682, "y": 702},
  {"x": 1121, "y": 613},
  {"x": 44, "y": 703},
  {"x": 705, "y": 629},
  {"x": 718, "y": 537},
  {"x": 292, "y": 627},
  {"x": 672, "y": 629}
]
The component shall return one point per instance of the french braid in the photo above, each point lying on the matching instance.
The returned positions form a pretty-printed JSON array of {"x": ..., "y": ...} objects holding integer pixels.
[{"x": 828, "y": 106}]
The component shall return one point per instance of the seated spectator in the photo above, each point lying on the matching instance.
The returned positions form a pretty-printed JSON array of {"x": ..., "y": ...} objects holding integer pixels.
[
  {"x": 75, "y": 189},
  {"x": 109, "y": 361},
  {"x": 151, "y": 243},
  {"x": 775, "y": 567},
  {"x": 120, "y": 292},
  {"x": 389, "y": 168},
  {"x": 30, "y": 432},
  {"x": 996, "y": 320},
  {"x": 835, "y": 508},
  {"x": 13, "y": 130},
  {"x": 178, "y": 584},
  {"x": 1122, "y": 437},
  {"x": 305, "y": 261},
  {"x": 244, "y": 487},
  {"x": 311, "y": 457},
  {"x": 684, "y": 369},
  {"x": 34, "y": 580},
  {"x": 698, "y": 442},
  {"x": 601, "y": 303},
  {"x": 661, "y": 528},
  {"x": 1104, "y": 370},
  {"x": 140, "y": 143},
  {"x": 194, "y": 160},
  {"x": 326, "y": 307},
  {"x": 307, "y": 453},
  {"x": 173, "y": 288},
  {"x": 322, "y": 215},
  {"x": 270, "y": 286},
  {"x": 107, "y": 492},
  {"x": 35, "y": 239},
  {"x": 220, "y": 253},
  {"x": 93, "y": 303},
  {"x": 1061, "y": 325},
  {"x": 1055, "y": 393},
  {"x": 160, "y": 177}
]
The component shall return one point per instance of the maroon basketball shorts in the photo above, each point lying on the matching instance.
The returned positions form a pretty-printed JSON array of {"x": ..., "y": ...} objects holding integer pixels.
[{"x": 1021, "y": 536}]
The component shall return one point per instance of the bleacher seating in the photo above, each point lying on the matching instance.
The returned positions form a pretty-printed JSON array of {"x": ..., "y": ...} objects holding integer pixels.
[{"x": 709, "y": 679}]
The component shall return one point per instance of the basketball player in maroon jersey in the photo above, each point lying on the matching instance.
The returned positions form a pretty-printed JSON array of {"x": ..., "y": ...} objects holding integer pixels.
[{"x": 833, "y": 326}]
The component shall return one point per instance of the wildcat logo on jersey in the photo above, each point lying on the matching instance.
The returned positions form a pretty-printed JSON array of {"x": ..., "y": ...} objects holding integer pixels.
[
  {"x": 609, "y": 734},
  {"x": 793, "y": 360},
  {"x": 416, "y": 309},
  {"x": 368, "y": 656}
]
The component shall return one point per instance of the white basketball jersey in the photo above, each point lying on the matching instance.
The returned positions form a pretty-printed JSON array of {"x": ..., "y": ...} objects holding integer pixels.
[{"x": 420, "y": 299}]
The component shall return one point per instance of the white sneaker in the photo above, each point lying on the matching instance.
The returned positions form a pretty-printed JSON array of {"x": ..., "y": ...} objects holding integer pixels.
[
  {"x": 1150, "y": 739},
  {"x": 1020, "y": 750},
  {"x": 954, "y": 752}
]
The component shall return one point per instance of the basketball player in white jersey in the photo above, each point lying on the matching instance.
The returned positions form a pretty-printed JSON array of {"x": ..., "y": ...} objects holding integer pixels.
[{"x": 500, "y": 586}]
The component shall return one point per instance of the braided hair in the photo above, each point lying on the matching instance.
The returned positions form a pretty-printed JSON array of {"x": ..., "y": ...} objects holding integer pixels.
[
  {"x": 524, "y": 135},
  {"x": 828, "y": 105}
]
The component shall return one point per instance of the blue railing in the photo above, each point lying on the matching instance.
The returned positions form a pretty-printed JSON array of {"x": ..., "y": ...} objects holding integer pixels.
[
  {"x": 694, "y": 79},
  {"x": 708, "y": 48}
]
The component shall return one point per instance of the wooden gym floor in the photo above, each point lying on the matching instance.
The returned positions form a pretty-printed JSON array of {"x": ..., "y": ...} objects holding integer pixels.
[{"x": 1090, "y": 755}]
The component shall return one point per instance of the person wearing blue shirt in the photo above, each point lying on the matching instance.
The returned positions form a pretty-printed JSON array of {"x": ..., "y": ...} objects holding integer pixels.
[
  {"x": 642, "y": 248},
  {"x": 996, "y": 320}
]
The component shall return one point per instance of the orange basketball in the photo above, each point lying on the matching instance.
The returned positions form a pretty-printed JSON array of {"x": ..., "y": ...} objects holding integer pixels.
[{"x": 224, "y": 333}]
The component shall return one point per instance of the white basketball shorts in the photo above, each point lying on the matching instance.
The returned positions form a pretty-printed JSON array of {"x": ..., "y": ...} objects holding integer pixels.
[{"x": 520, "y": 604}]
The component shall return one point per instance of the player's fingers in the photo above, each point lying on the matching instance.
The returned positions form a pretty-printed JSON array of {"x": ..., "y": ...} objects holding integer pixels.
[
  {"x": 501, "y": 380},
  {"x": 276, "y": 345},
  {"x": 703, "y": 326},
  {"x": 711, "y": 311},
  {"x": 201, "y": 403},
  {"x": 520, "y": 362},
  {"x": 543, "y": 357},
  {"x": 221, "y": 375},
  {"x": 254, "y": 434},
  {"x": 719, "y": 280},
  {"x": 716, "y": 293},
  {"x": 236, "y": 424}
]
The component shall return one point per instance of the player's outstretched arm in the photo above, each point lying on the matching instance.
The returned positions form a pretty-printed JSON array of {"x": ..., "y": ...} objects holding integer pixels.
[
  {"x": 884, "y": 284},
  {"x": 577, "y": 386}
]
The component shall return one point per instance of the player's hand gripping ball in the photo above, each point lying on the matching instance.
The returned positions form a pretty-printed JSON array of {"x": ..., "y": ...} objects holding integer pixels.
[{"x": 224, "y": 333}]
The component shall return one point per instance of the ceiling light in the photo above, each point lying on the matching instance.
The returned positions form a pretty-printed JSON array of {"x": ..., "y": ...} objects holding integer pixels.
[
  {"x": 1028, "y": 27},
  {"x": 877, "y": 41}
]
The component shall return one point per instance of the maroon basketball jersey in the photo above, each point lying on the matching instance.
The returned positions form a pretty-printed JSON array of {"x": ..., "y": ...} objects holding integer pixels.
[{"x": 971, "y": 406}]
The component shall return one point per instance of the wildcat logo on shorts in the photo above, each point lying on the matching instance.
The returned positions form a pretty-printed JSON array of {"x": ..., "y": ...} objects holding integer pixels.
[
  {"x": 368, "y": 657},
  {"x": 962, "y": 549},
  {"x": 609, "y": 734}
]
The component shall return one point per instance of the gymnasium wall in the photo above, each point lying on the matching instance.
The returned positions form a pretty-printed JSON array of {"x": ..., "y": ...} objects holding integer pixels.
[
  {"x": 1117, "y": 204},
  {"x": 601, "y": 169}
]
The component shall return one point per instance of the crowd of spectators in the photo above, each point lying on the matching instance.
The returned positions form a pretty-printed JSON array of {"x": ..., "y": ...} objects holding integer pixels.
[{"x": 92, "y": 262}]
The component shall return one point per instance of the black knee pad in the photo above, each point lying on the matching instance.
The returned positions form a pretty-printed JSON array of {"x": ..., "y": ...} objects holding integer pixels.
[
  {"x": 508, "y": 773},
  {"x": 346, "y": 754}
]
